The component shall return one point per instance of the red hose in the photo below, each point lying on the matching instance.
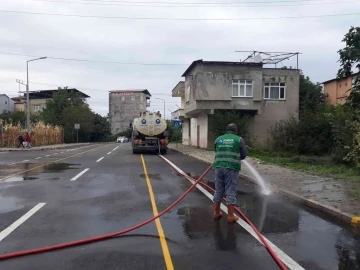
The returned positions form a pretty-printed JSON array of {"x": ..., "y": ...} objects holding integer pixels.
[
  {"x": 103, "y": 237},
  {"x": 268, "y": 248}
]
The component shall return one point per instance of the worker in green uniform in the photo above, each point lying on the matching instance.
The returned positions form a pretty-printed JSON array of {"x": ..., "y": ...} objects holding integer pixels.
[{"x": 230, "y": 149}]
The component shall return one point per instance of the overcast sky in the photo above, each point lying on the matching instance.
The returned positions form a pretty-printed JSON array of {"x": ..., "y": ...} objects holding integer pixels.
[{"x": 160, "y": 41}]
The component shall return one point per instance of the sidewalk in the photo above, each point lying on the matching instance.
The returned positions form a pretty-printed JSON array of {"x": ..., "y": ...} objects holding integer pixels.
[
  {"x": 43, "y": 147},
  {"x": 322, "y": 193}
]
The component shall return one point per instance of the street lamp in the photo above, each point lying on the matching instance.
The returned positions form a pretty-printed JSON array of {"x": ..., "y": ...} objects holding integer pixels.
[
  {"x": 164, "y": 104},
  {"x": 27, "y": 93}
]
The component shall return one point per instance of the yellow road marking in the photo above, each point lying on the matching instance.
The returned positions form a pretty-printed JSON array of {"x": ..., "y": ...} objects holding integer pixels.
[
  {"x": 40, "y": 166},
  {"x": 355, "y": 220},
  {"x": 164, "y": 246}
]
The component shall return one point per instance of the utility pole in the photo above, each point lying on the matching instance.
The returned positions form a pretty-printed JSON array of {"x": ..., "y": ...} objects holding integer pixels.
[
  {"x": 27, "y": 93},
  {"x": 164, "y": 105}
]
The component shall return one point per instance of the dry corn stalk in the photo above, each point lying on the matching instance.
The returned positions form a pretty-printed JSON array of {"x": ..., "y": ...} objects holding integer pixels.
[{"x": 41, "y": 134}]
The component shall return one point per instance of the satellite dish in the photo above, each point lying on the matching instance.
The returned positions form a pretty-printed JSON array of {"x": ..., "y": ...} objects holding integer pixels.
[{"x": 258, "y": 59}]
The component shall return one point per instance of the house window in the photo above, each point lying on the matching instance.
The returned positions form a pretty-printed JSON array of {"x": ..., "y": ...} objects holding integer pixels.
[
  {"x": 274, "y": 91},
  {"x": 123, "y": 98},
  {"x": 242, "y": 88},
  {"x": 37, "y": 108},
  {"x": 132, "y": 97}
]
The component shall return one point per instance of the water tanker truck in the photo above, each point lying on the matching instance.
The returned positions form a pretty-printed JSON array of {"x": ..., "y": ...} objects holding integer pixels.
[{"x": 149, "y": 134}]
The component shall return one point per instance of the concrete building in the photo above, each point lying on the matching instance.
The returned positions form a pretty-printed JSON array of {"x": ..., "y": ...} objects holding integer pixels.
[
  {"x": 124, "y": 106},
  {"x": 6, "y": 104},
  {"x": 337, "y": 90},
  {"x": 268, "y": 95},
  {"x": 19, "y": 104},
  {"x": 38, "y": 98}
]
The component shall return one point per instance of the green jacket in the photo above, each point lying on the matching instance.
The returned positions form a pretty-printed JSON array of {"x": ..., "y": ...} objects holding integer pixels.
[{"x": 227, "y": 152}]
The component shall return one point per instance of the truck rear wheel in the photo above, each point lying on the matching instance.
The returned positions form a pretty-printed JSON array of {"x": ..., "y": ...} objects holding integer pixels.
[
  {"x": 163, "y": 152},
  {"x": 135, "y": 151}
]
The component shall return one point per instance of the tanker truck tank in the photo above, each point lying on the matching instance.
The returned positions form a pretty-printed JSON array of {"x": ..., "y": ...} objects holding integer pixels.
[{"x": 149, "y": 134}]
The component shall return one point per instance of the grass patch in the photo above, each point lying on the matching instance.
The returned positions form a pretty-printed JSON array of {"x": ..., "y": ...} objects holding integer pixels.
[{"x": 311, "y": 164}]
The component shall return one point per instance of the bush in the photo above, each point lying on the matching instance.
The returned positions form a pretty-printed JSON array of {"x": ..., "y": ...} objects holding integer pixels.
[
  {"x": 221, "y": 118},
  {"x": 175, "y": 134},
  {"x": 310, "y": 135}
]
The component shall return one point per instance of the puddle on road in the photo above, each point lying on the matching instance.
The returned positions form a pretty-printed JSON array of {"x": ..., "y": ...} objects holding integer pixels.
[
  {"x": 35, "y": 171},
  {"x": 9, "y": 205},
  {"x": 151, "y": 176}
]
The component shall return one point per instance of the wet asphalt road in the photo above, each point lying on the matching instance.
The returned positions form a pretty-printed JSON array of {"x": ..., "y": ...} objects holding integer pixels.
[{"x": 113, "y": 195}]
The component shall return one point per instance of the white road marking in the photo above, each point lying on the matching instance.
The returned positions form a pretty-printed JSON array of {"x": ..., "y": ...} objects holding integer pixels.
[
  {"x": 62, "y": 153},
  {"x": 80, "y": 174},
  {"x": 100, "y": 159},
  {"x": 38, "y": 158},
  {"x": 12, "y": 163},
  {"x": 26, "y": 160},
  {"x": 20, "y": 221},
  {"x": 48, "y": 155},
  {"x": 109, "y": 153},
  {"x": 56, "y": 153},
  {"x": 115, "y": 148},
  {"x": 282, "y": 255}
]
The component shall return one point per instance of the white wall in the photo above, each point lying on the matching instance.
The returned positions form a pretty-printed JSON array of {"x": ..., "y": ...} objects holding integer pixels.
[
  {"x": 193, "y": 133},
  {"x": 202, "y": 121},
  {"x": 6, "y": 104},
  {"x": 185, "y": 132}
]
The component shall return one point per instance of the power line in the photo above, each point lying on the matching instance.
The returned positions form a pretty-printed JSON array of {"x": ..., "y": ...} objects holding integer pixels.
[
  {"x": 101, "y": 3},
  {"x": 96, "y": 61},
  {"x": 200, "y": 3},
  {"x": 70, "y": 87},
  {"x": 167, "y": 19}
]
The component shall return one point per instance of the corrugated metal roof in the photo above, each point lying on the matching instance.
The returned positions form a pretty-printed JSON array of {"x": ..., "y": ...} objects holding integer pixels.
[
  {"x": 337, "y": 79},
  {"x": 131, "y": 91}
]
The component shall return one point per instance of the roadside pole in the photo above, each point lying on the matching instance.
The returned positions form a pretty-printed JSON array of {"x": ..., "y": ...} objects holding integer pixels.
[
  {"x": 2, "y": 134},
  {"x": 77, "y": 127}
]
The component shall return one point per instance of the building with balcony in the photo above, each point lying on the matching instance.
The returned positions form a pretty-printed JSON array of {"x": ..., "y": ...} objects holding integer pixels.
[
  {"x": 124, "y": 106},
  {"x": 267, "y": 95}
]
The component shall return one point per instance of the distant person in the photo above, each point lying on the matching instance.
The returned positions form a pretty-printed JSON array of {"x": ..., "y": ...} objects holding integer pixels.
[
  {"x": 230, "y": 149},
  {"x": 28, "y": 140},
  {"x": 21, "y": 141}
]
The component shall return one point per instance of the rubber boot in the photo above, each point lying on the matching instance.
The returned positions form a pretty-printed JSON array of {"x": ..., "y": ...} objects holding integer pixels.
[
  {"x": 231, "y": 217},
  {"x": 217, "y": 212}
]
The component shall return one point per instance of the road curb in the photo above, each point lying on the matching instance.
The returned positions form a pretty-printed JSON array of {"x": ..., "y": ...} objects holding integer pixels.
[
  {"x": 353, "y": 221},
  {"x": 43, "y": 148}
]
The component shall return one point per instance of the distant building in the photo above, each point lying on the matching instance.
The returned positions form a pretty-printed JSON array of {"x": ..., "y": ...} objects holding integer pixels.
[
  {"x": 6, "y": 104},
  {"x": 266, "y": 95},
  {"x": 337, "y": 90},
  {"x": 19, "y": 104},
  {"x": 38, "y": 99},
  {"x": 124, "y": 106}
]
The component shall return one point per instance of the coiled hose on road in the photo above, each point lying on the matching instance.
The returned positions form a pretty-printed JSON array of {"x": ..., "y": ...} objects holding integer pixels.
[{"x": 111, "y": 235}]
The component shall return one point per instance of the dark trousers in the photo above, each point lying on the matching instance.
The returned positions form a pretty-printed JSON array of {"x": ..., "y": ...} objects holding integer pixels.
[{"x": 20, "y": 143}]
